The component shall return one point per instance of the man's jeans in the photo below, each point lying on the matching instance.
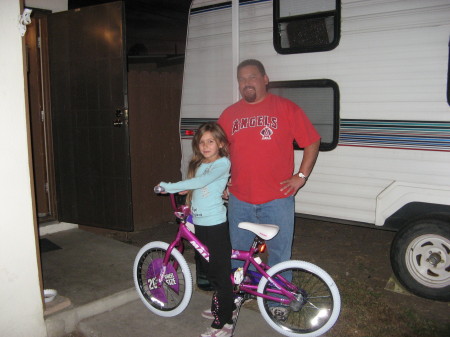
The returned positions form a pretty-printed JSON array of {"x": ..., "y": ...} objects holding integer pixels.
[{"x": 276, "y": 212}]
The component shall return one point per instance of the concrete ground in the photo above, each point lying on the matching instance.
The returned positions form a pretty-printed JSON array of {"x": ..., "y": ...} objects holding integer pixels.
[{"x": 96, "y": 297}]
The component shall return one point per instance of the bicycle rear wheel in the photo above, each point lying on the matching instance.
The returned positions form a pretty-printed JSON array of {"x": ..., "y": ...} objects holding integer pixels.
[
  {"x": 318, "y": 301},
  {"x": 173, "y": 295}
]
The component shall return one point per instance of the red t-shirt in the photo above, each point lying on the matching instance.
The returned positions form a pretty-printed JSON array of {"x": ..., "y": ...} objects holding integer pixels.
[{"x": 261, "y": 139}]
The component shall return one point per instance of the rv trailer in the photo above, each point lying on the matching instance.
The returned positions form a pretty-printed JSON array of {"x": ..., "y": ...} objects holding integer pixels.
[{"x": 373, "y": 78}]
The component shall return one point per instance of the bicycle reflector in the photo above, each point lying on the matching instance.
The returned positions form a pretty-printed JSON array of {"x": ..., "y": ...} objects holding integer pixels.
[{"x": 262, "y": 248}]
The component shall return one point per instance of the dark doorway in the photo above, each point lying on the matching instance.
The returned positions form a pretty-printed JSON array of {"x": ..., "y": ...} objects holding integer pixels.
[{"x": 99, "y": 167}]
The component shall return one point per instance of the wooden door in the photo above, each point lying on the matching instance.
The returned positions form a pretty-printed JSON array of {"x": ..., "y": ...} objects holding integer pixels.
[{"x": 89, "y": 112}]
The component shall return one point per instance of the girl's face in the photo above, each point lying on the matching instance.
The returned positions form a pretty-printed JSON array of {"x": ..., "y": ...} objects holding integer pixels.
[{"x": 209, "y": 147}]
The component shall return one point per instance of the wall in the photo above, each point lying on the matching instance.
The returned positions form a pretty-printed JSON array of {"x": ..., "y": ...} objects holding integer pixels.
[
  {"x": 154, "y": 97},
  {"x": 53, "y": 5},
  {"x": 21, "y": 311}
]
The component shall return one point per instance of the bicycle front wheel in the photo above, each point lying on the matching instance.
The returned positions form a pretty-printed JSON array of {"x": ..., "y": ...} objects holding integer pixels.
[
  {"x": 317, "y": 303},
  {"x": 170, "y": 297}
]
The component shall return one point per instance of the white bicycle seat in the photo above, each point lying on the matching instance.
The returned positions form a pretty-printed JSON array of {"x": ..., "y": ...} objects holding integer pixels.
[{"x": 265, "y": 232}]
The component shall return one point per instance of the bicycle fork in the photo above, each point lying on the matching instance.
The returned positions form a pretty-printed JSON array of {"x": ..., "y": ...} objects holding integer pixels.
[{"x": 163, "y": 277}]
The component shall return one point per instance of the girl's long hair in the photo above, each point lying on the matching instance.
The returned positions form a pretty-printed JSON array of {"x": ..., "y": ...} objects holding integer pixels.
[{"x": 197, "y": 157}]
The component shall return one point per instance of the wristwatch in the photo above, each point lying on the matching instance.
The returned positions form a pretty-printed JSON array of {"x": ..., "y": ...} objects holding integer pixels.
[{"x": 301, "y": 175}]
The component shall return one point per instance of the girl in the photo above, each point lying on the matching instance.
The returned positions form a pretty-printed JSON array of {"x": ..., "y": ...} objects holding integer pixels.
[{"x": 207, "y": 177}]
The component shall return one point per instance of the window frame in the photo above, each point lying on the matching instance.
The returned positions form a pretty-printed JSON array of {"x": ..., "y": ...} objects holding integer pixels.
[
  {"x": 308, "y": 49},
  {"x": 322, "y": 83},
  {"x": 448, "y": 76}
]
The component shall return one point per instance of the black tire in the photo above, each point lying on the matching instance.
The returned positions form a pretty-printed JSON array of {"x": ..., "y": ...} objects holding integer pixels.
[{"x": 420, "y": 257}]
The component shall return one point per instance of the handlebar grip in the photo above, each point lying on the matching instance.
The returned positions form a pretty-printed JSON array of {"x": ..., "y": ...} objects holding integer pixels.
[{"x": 159, "y": 189}]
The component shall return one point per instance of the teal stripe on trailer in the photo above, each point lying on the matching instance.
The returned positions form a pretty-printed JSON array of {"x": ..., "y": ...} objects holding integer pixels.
[{"x": 412, "y": 135}]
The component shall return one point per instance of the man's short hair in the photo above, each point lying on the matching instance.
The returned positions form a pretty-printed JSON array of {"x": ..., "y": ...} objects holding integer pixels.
[{"x": 252, "y": 62}]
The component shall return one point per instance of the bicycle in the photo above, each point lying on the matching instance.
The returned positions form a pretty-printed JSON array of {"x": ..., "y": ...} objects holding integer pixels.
[{"x": 163, "y": 281}]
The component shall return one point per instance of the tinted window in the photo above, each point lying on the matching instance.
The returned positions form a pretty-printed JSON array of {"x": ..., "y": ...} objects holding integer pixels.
[
  {"x": 320, "y": 101},
  {"x": 302, "y": 26}
]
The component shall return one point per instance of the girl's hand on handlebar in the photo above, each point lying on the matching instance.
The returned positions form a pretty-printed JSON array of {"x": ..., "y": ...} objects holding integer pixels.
[{"x": 159, "y": 189}]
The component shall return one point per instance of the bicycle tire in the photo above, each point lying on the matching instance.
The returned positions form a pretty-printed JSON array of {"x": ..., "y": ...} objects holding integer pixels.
[
  {"x": 318, "y": 295},
  {"x": 173, "y": 296}
]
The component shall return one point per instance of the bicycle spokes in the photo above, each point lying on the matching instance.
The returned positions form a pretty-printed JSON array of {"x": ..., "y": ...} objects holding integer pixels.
[{"x": 313, "y": 304}]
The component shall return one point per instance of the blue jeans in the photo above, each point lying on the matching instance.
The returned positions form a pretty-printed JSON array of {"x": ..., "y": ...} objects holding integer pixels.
[{"x": 277, "y": 212}]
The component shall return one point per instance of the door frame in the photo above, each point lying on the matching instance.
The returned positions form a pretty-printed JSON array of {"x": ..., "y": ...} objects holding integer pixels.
[{"x": 42, "y": 90}]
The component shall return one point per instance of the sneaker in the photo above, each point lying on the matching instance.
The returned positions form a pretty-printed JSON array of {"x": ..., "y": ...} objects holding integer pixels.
[
  {"x": 208, "y": 314},
  {"x": 279, "y": 313},
  {"x": 226, "y": 331}
]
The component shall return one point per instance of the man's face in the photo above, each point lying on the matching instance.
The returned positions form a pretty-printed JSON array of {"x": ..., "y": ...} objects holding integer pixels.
[{"x": 252, "y": 85}]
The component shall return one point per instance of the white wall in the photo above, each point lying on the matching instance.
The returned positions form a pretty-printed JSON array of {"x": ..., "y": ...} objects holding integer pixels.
[
  {"x": 53, "y": 5},
  {"x": 21, "y": 311}
]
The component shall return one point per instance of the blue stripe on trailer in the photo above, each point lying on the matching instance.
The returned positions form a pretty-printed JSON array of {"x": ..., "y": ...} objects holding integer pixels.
[{"x": 412, "y": 135}]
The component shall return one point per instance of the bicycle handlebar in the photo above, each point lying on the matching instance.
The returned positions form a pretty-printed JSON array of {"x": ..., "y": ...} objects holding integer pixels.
[{"x": 159, "y": 189}]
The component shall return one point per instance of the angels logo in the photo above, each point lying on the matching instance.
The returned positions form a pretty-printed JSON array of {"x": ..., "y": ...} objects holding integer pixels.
[
  {"x": 269, "y": 123},
  {"x": 266, "y": 133}
]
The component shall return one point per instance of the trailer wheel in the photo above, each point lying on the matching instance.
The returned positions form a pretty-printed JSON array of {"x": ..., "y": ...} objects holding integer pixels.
[{"x": 420, "y": 257}]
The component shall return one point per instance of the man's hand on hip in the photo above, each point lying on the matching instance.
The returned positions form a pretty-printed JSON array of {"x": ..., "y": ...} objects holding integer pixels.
[{"x": 292, "y": 185}]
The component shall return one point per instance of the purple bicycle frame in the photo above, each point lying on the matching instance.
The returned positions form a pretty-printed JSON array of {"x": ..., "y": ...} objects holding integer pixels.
[{"x": 182, "y": 213}]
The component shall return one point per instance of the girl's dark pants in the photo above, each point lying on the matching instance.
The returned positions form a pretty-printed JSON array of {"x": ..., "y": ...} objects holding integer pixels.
[{"x": 217, "y": 239}]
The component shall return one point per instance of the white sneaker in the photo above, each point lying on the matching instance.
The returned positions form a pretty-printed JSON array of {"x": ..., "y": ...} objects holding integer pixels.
[
  {"x": 224, "y": 332},
  {"x": 207, "y": 314}
]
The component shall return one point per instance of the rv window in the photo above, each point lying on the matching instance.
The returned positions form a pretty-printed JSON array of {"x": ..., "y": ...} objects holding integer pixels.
[
  {"x": 304, "y": 26},
  {"x": 320, "y": 101}
]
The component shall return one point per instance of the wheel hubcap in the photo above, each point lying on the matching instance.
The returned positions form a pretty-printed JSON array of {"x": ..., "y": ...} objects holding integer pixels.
[
  {"x": 434, "y": 259},
  {"x": 428, "y": 260}
]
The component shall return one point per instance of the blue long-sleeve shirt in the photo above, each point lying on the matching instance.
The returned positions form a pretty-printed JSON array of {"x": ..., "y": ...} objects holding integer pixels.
[{"x": 208, "y": 184}]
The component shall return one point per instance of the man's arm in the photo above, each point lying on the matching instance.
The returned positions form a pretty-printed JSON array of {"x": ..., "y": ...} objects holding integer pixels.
[{"x": 294, "y": 183}]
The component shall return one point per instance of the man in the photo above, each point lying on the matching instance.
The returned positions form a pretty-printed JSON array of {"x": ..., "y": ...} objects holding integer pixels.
[{"x": 261, "y": 128}]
